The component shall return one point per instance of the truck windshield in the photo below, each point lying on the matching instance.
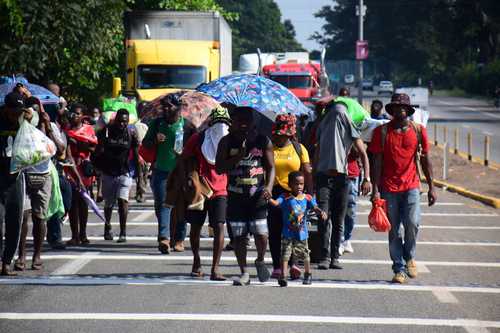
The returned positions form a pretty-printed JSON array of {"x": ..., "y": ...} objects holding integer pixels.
[
  {"x": 293, "y": 82},
  {"x": 172, "y": 76}
]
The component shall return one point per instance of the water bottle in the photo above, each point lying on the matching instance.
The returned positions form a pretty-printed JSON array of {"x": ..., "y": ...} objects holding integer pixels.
[{"x": 179, "y": 137}]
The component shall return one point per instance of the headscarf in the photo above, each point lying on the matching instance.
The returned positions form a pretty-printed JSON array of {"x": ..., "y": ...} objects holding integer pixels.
[
  {"x": 285, "y": 124},
  {"x": 219, "y": 128}
]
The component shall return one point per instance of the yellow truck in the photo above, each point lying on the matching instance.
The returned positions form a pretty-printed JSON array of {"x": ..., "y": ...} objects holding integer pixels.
[{"x": 171, "y": 50}]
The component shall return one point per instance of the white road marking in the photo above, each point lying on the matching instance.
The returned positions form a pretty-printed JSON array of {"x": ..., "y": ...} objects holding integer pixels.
[
  {"x": 422, "y": 268},
  {"x": 368, "y": 203},
  {"x": 358, "y": 241},
  {"x": 73, "y": 266},
  {"x": 159, "y": 257},
  {"x": 368, "y": 212},
  {"x": 233, "y": 317},
  {"x": 445, "y": 296},
  {"x": 184, "y": 280},
  {"x": 357, "y": 226},
  {"x": 476, "y": 329},
  {"x": 143, "y": 216}
]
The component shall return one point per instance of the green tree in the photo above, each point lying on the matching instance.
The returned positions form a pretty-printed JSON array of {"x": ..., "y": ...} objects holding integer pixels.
[{"x": 76, "y": 44}]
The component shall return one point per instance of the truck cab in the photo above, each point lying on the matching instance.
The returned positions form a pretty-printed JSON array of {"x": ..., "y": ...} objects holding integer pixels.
[
  {"x": 301, "y": 79},
  {"x": 167, "y": 51}
]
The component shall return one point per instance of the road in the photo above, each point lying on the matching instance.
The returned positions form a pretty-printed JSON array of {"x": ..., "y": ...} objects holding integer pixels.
[
  {"x": 476, "y": 116},
  {"x": 110, "y": 287}
]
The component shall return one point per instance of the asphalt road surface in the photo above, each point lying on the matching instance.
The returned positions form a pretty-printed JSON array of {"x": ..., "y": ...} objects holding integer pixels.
[{"x": 110, "y": 287}]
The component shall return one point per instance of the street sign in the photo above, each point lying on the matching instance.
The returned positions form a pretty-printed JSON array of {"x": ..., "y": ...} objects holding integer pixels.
[{"x": 361, "y": 50}]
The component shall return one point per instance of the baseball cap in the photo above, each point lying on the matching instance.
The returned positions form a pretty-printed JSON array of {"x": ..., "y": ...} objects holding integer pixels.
[{"x": 14, "y": 100}]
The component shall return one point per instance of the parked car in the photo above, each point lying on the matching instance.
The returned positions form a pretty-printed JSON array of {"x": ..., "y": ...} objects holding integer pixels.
[
  {"x": 367, "y": 84},
  {"x": 349, "y": 78},
  {"x": 385, "y": 87}
]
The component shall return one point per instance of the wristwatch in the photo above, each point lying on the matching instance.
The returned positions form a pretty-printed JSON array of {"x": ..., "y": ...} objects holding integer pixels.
[{"x": 367, "y": 179}]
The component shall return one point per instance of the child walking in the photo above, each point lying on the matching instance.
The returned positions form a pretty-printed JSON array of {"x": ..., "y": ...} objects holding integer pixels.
[{"x": 295, "y": 206}]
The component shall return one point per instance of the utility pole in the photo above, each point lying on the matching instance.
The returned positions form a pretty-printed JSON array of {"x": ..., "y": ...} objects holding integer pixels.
[{"x": 360, "y": 11}]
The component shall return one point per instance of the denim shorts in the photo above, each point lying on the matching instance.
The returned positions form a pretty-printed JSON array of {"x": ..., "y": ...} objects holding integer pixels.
[{"x": 115, "y": 187}]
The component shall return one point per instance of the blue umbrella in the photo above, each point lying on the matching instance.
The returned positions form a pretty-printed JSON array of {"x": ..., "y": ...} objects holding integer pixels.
[
  {"x": 43, "y": 94},
  {"x": 266, "y": 96}
]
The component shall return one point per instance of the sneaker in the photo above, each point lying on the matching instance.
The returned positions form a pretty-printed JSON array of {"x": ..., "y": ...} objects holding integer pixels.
[
  {"x": 276, "y": 273},
  {"x": 262, "y": 271},
  {"x": 108, "y": 234},
  {"x": 411, "y": 268},
  {"x": 341, "y": 249},
  {"x": 122, "y": 239},
  {"x": 179, "y": 246},
  {"x": 400, "y": 278},
  {"x": 307, "y": 279},
  {"x": 335, "y": 264},
  {"x": 295, "y": 272},
  {"x": 164, "y": 246},
  {"x": 323, "y": 264},
  {"x": 282, "y": 282},
  {"x": 348, "y": 247},
  {"x": 243, "y": 280}
]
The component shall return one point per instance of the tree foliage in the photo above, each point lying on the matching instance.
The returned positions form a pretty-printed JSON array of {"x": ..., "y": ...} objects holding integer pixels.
[
  {"x": 259, "y": 26},
  {"x": 432, "y": 39}
]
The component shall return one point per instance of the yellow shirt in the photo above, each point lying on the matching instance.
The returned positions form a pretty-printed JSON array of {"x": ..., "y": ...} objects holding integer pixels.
[{"x": 287, "y": 160}]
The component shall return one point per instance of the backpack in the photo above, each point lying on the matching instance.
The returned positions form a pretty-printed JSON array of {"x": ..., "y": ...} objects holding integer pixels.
[{"x": 418, "y": 129}]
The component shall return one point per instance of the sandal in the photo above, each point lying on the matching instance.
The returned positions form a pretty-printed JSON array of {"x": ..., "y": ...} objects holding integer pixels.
[
  {"x": 84, "y": 241},
  {"x": 19, "y": 265},
  {"x": 196, "y": 272},
  {"x": 36, "y": 265},
  {"x": 7, "y": 272},
  {"x": 217, "y": 277},
  {"x": 73, "y": 242}
]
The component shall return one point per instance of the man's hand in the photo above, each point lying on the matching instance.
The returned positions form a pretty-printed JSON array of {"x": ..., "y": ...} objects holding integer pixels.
[
  {"x": 366, "y": 187},
  {"x": 431, "y": 196},
  {"x": 28, "y": 114},
  {"x": 267, "y": 194},
  {"x": 323, "y": 216},
  {"x": 45, "y": 119},
  {"x": 160, "y": 137}
]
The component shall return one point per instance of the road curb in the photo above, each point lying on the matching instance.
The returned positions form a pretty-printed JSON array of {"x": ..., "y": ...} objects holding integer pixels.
[
  {"x": 492, "y": 165},
  {"x": 490, "y": 201}
]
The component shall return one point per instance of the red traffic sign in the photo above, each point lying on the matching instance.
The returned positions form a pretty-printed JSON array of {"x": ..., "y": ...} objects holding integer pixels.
[{"x": 361, "y": 50}]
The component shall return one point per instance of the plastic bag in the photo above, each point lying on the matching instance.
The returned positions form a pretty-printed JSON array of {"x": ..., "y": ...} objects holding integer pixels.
[
  {"x": 56, "y": 204},
  {"x": 30, "y": 148},
  {"x": 377, "y": 219}
]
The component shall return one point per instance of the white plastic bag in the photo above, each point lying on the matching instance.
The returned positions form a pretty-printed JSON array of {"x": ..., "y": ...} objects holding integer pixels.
[
  {"x": 369, "y": 126},
  {"x": 30, "y": 148}
]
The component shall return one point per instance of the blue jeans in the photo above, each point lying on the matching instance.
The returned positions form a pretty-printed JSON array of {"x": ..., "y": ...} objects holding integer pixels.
[
  {"x": 403, "y": 208},
  {"x": 54, "y": 222},
  {"x": 159, "y": 187},
  {"x": 350, "y": 216}
]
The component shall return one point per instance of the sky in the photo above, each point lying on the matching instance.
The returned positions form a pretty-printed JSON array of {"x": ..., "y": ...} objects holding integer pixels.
[{"x": 301, "y": 13}]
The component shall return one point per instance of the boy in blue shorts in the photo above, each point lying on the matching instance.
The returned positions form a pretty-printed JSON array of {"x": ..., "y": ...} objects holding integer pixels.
[{"x": 295, "y": 206}]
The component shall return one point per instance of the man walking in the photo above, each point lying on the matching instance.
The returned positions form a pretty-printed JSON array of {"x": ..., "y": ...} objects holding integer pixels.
[
  {"x": 116, "y": 142},
  {"x": 249, "y": 161},
  {"x": 336, "y": 135},
  {"x": 397, "y": 147}
]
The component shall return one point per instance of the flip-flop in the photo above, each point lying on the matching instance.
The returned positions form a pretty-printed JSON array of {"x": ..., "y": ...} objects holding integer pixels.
[
  {"x": 217, "y": 277},
  {"x": 19, "y": 265},
  {"x": 198, "y": 274},
  {"x": 36, "y": 266}
]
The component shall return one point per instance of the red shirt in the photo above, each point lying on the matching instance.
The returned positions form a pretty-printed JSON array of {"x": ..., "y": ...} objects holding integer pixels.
[
  {"x": 399, "y": 171},
  {"x": 217, "y": 182},
  {"x": 353, "y": 170}
]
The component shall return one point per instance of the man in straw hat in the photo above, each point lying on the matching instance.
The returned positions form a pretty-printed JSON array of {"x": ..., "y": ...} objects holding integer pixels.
[{"x": 397, "y": 147}]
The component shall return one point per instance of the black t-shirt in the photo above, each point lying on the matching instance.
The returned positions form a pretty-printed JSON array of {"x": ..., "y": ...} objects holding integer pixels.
[
  {"x": 115, "y": 146},
  {"x": 8, "y": 133},
  {"x": 248, "y": 176}
]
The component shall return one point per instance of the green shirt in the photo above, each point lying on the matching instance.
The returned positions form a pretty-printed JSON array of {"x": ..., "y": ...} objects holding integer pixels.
[{"x": 165, "y": 155}]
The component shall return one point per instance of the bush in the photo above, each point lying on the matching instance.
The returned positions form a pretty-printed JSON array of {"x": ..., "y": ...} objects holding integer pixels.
[{"x": 479, "y": 80}]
